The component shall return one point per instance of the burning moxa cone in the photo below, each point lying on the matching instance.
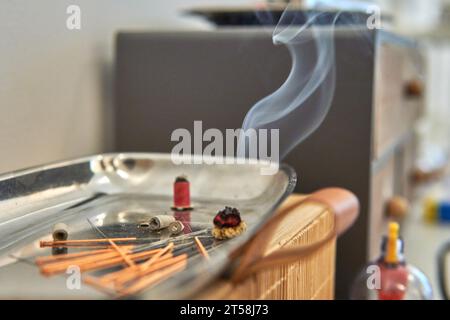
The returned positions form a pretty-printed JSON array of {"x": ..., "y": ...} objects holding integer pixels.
[
  {"x": 228, "y": 224},
  {"x": 181, "y": 194}
]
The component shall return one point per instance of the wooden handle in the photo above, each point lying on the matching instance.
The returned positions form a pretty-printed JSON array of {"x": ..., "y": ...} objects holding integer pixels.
[
  {"x": 342, "y": 203},
  {"x": 397, "y": 207},
  {"x": 414, "y": 89}
]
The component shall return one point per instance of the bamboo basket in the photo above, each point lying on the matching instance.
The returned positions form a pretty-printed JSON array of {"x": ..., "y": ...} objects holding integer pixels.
[{"x": 309, "y": 277}]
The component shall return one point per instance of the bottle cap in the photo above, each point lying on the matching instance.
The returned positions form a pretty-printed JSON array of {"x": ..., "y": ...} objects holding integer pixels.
[{"x": 392, "y": 248}]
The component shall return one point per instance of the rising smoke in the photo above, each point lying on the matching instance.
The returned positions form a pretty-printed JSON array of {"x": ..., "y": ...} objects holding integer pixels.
[{"x": 302, "y": 102}]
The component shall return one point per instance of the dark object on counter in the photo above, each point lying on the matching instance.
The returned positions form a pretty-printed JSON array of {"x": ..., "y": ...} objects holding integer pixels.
[{"x": 58, "y": 251}]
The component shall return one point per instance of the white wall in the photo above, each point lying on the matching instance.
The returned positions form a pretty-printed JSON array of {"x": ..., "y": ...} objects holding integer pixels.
[
  {"x": 435, "y": 128},
  {"x": 55, "y": 97}
]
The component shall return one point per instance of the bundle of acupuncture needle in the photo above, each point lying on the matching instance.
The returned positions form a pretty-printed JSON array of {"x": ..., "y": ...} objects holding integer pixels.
[
  {"x": 127, "y": 265},
  {"x": 85, "y": 242},
  {"x": 142, "y": 266}
]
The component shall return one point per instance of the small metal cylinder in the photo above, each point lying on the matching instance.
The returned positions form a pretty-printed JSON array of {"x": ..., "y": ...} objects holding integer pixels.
[
  {"x": 176, "y": 227},
  {"x": 161, "y": 222},
  {"x": 60, "y": 232}
]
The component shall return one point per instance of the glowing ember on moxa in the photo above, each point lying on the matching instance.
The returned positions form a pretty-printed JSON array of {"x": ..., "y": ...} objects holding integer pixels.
[{"x": 228, "y": 224}]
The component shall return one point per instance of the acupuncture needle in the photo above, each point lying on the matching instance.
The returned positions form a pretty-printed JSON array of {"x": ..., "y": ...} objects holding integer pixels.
[{"x": 163, "y": 242}]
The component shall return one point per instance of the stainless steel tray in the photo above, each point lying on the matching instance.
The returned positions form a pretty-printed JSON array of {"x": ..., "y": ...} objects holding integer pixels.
[{"x": 116, "y": 192}]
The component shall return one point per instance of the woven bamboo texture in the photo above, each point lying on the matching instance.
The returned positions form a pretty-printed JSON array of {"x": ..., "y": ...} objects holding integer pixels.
[{"x": 312, "y": 277}]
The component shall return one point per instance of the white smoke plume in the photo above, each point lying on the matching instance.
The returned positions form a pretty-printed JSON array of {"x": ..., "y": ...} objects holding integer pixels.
[{"x": 302, "y": 102}]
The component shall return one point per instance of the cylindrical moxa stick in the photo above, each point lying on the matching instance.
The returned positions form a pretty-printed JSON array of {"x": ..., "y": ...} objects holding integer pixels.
[{"x": 161, "y": 222}]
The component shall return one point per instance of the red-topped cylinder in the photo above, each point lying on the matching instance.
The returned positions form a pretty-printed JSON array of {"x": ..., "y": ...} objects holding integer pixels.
[{"x": 181, "y": 194}]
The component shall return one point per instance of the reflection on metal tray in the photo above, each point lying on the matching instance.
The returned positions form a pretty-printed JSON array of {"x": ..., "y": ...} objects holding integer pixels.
[{"x": 116, "y": 192}]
